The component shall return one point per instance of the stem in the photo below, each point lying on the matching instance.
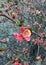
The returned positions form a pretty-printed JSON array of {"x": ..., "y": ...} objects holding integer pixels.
[
  {"x": 36, "y": 34},
  {"x": 5, "y": 15},
  {"x": 3, "y": 49},
  {"x": 38, "y": 50}
]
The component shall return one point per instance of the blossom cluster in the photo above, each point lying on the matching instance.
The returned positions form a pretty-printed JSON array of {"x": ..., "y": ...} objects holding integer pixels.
[{"x": 26, "y": 33}]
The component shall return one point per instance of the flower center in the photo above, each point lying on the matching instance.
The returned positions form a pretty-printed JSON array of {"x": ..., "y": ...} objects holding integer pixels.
[{"x": 26, "y": 33}]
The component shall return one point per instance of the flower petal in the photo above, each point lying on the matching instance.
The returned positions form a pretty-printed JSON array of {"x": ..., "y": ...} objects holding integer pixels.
[{"x": 27, "y": 38}]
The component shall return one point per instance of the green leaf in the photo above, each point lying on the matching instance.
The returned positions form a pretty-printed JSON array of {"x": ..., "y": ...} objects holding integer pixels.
[
  {"x": 30, "y": 29},
  {"x": 21, "y": 21},
  {"x": 39, "y": 15}
]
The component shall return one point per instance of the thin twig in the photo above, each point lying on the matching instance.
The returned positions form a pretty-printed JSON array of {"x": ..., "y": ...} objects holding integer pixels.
[
  {"x": 5, "y": 15},
  {"x": 36, "y": 34},
  {"x": 3, "y": 49},
  {"x": 12, "y": 50}
]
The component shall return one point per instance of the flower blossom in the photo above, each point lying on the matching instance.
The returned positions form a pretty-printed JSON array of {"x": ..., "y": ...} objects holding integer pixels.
[
  {"x": 35, "y": 23},
  {"x": 25, "y": 49},
  {"x": 26, "y": 34},
  {"x": 3, "y": 40},
  {"x": 18, "y": 36},
  {"x": 28, "y": 26},
  {"x": 41, "y": 25},
  {"x": 37, "y": 12},
  {"x": 26, "y": 63},
  {"x": 33, "y": 40},
  {"x": 22, "y": 28},
  {"x": 42, "y": 34},
  {"x": 16, "y": 63},
  {"x": 40, "y": 41}
]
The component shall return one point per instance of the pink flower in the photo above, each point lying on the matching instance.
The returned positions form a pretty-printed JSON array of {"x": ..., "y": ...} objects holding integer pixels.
[
  {"x": 25, "y": 49},
  {"x": 42, "y": 34},
  {"x": 16, "y": 63},
  {"x": 22, "y": 28},
  {"x": 26, "y": 63},
  {"x": 27, "y": 38},
  {"x": 35, "y": 23},
  {"x": 3, "y": 40},
  {"x": 40, "y": 41},
  {"x": 26, "y": 34},
  {"x": 18, "y": 36},
  {"x": 28, "y": 26},
  {"x": 37, "y": 12},
  {"x": 33, "y": 40},
  {"x": 41, "y": 25}
]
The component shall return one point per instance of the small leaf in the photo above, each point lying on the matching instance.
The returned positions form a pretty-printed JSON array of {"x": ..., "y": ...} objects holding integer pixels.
[
  {"x": 30, "y": 29},
  {"x": 21, "y": 21}
]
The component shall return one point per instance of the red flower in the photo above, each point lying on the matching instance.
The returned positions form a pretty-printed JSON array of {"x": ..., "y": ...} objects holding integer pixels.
[
  {"x": 25, "y": 34},
  {"x": 22, "y": 28},
  {"x": 18, "y": 36},
  {"x": 16, "y": 63}
]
